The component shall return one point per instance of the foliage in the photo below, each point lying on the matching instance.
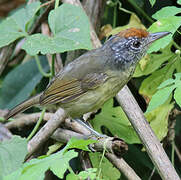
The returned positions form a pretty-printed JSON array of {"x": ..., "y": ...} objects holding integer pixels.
[
  {"x": 68, "y": 23},
  {"x": 15, "y": 90},
  {"x": 158, "y": 73},
  {"x": 116, "y": 121},
  {"x": 58, "y": 162}
]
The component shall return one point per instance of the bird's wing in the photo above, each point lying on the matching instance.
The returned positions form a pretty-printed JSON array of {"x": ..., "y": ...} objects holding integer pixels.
[{"x": 67, "y": 90}]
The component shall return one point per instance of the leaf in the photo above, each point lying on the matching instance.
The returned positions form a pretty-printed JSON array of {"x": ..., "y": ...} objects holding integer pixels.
[
  {"x": 166, "y": 83},
  {"x": 13, "y": 176},
  {"x": 9, "y": 32},
  {"x": 158, "y": 119},
  {"x": 170, "y": 24},
  {"x": 57, "y": 163},
  {"x": 152, "y": 2},
  {"x": 160, "y": 98},
  {"x": 88, "y": 173},
  {"x": 79, "y": 143},
  {"x": 150, "y": 84},
  {"x": 179, "y": 2},
  {"x": 15, "y": 26},
  {"x": 12, "y": 154},
  {"x": 152, "y": 62},
  {"x": 134, "y": 21},
  {"x": 70, "y": 28},
  {"x": 107, "y": 170},
  {"x": 116, "y": 121},
  {"x": 20, "y": 82},
  {"x": 24, "y": 15},
  {"x": 177, "y": 95},
  {"x": 166, "y": 12}
]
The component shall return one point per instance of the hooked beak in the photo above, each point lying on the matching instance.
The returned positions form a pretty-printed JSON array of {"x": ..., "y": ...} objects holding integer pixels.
[{"x": 155, "y": 36}]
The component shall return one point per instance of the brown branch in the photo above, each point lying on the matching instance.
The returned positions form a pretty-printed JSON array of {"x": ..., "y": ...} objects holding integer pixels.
[
  {"x": 146, "y": 134},
  {"x": 46, "y": 131},
  {"x": 4, "y": 56},
  {"x": 112, "y": 145},
  {"x": 120, "y": 164},
  {"x": 27, "y": 119}
]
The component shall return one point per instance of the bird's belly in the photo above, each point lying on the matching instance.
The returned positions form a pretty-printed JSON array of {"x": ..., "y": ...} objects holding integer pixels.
[{"x": 94, "y": 99}]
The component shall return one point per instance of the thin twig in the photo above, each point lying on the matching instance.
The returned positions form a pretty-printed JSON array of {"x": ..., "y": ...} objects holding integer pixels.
[
  {"x": 120, "y": 164},
  {"x": 177, "y": 152},
  {"x": 46, "y": 131}
]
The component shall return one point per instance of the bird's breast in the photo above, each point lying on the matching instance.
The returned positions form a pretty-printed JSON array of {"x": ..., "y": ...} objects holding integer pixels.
[{"x": 94, "y": 99}]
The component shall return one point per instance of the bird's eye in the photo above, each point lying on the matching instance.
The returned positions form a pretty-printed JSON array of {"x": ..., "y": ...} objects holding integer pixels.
[{"x": 136, "y": 44}]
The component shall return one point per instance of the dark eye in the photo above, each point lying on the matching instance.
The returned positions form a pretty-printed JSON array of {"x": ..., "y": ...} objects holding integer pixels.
[{"x": 136, "y": 44}]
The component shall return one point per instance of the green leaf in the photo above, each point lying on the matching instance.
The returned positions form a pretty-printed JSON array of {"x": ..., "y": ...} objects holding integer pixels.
[
  {"x": 20, "y": 82},
  {"x": 79, "y": 143},
  {"x": 88, "y": 173},
  {"x": 10, "y": 31},
  {"x": 158, "y": 119},
  {"x": 71, "y": 30},
  {"x": 24, "y": 15},
  {"x": 166, "y": 12},
  {"x": 152, "y": 62},
  {"x": 177, "y": 95},
  {"x": 116, "y": 121},
  {"x": 170, "y": 24},
  {"x": 150, "y": 84},
  {"x": 177, "y": 76},
  {"x": 179, "y": 2},
  {"x": 107, "y": 170},
  {"x": 13, "y": 176},
  {"x": 166, "y": 83},
  {"x": 12, "y": 154},
  {"x": 160, "y": 98},
  {"x": 152, "y": 2},
  {"x": 57, "y": 163}
]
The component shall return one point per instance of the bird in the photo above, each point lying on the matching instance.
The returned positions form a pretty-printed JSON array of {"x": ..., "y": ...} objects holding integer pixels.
[{"x": 86, "y": 83}]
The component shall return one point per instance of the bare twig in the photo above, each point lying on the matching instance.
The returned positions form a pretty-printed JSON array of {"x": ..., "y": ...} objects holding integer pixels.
[
  {"x": 120, "y": 164},
  {"x": 4, "y": 56},
  {"x": 46, "y": 131},
  {"x": 113, "y": 145},
  {"x": 177, "y": 152},
  {"x": 85, "y": 160},
  {"x": 146, "y": 134},
  {"x": 27, "y": 119}
]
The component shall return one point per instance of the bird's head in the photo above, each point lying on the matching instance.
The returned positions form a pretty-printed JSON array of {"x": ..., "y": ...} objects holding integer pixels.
[{"x": 128, "y": 46}]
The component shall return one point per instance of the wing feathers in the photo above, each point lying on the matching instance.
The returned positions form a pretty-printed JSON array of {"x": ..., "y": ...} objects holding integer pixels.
[{"x": 63, "y": 91}]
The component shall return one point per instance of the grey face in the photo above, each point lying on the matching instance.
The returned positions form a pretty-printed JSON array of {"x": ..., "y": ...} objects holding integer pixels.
[{"x": 129, "y": 50}]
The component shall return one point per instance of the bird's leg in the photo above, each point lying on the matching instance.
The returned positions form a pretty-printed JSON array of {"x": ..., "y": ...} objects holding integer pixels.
[{"x": 93, "y": 132}]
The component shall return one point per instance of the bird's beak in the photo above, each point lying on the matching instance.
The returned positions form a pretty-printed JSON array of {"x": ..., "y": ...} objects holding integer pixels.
[{"x": 155, "y": 36}]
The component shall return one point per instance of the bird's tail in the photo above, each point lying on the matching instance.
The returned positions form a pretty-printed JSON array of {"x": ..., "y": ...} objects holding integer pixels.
[{"x": 23, "y": 106}]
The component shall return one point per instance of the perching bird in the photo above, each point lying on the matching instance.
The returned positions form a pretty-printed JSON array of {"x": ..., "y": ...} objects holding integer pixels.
[{"x": 86, "y": 83}]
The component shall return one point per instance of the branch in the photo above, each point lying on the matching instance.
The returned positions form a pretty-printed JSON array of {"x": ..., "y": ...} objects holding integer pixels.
[
  {"x": 123, "y": 167},
  {"x": 46, "y": 131},
  {"x": 146, "y": 134}
]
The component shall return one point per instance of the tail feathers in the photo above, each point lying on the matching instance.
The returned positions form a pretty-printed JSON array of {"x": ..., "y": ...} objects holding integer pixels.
[{"x": 23, "y": 106}]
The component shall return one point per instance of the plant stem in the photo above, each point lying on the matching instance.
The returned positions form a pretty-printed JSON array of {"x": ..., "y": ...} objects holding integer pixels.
[
  {"x": 40, "y": 67},
  {"x": 114, "y": 16},
  {"x": 53, "y": 66},
  {"x": 37, "y": 125},
  {"x": 176, "y": 45},
  {"x": 56, "y": 3},
  {"x": 173, "y": 152},
  {"x": 132, "y": 2}
]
